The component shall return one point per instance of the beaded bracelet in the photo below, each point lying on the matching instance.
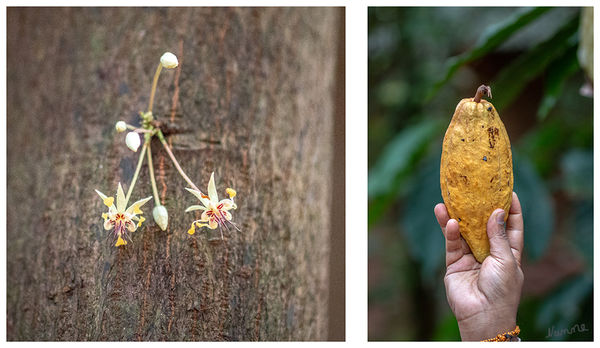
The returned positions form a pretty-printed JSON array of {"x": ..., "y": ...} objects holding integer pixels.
[{"x": 506, "y": 337}]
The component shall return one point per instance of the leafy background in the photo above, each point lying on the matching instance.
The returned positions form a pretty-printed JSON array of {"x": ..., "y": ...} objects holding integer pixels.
[{"x": 422, "y": 61}]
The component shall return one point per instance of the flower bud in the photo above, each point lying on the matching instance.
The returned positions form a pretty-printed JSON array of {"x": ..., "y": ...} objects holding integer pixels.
[
  {"x": 169, "y": 60},
  {"x": 121, "y": 126},
  {"x": 133, "y": 141},
  {"x": 161, "y": 216}
]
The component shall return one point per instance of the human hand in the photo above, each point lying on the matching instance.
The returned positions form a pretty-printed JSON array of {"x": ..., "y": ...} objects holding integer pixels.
[{"x": 484, "y": 297}]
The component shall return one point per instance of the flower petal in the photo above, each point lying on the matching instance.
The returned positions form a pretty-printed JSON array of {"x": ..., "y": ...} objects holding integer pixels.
[
  {"x": 109, "y": 224},
  {"x": 204, "y": 217},
  {"x": 225, "y": 204},
  {"x": 108, "y": 201},
  {"x": 135, "y": 207},
  {"x": 200, "y": 225},
  {"x": 120, "y": 242},
  {"x": 142, "y": 219},
  {"x": 226, "y": 214},
  {"x": 199, "y": 195},
  {"x": 102, "y": 195},
  {"x": 212, "y": 224},
  {"x": 195, "y": 207},
  {"x": 231, "y": 192},
  {"x": 212, "y": 189},
  {"x": 121, "y": 202},
  {"x": 130, "y": 226},
  {"x": 192, "y": 229}
]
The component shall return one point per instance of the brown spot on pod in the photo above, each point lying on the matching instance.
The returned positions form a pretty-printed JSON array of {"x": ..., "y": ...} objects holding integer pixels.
[{"x": 493, "y": 134}]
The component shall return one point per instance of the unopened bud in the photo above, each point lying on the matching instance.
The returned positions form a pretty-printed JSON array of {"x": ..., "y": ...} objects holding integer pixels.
[
  {"x": 121, "y": 126},
  {"x": 161, "y": 216},
  {"x": 133, "y": 141},
  {"x": 169, "y": 60}
]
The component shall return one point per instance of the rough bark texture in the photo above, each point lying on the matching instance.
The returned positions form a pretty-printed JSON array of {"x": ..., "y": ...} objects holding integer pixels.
[{"x": 254, "y": 102}]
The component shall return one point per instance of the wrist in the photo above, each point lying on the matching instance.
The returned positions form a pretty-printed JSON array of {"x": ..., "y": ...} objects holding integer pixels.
[{"x": 486, "y": 325}]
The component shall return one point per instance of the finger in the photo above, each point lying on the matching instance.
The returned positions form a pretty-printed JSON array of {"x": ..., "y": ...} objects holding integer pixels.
[
  {"x": 441, "y": 214},
  {"x": 514, "y": 228},
  {"x": 454, "y": 245},
  {"x": 499, "y": 247}
]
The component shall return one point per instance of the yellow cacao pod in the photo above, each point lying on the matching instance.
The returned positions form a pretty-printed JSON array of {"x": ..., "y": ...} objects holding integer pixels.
[{"x": 476, "y": 173}]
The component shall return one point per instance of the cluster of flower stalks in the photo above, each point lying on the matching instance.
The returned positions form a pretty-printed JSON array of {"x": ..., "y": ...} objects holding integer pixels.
[{"x": 123, "y": 219}]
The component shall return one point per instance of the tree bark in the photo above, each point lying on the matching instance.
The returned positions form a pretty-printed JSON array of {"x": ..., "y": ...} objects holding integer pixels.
[{"x": 253, "y": 100}]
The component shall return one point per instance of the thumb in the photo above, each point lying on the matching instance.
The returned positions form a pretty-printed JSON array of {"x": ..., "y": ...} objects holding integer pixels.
[{"x": 499, "y": 246}]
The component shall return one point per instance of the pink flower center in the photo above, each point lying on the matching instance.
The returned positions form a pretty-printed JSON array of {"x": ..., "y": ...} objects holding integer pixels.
[
  {"x": 217, "y": 215},
  {"x": 121, "y": 224}
]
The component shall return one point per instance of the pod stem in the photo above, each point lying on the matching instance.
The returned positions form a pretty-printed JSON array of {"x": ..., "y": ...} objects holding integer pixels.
[{"x": 481, "y": 91}]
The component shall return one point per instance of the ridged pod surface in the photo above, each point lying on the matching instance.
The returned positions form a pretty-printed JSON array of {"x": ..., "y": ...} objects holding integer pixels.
[{"x": 476, "y": 173}]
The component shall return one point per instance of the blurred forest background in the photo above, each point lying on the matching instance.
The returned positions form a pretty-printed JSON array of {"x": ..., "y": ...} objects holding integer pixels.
[{"x": 538, "y": 62}]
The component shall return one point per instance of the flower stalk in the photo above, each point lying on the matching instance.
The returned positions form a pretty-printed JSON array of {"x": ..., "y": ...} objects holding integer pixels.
[
  {"x": 154, "y": 83},
  {"x": 161, "y": 137},
  {"x": 137, "y": 171},
  {"x": 152, "y": 179}
]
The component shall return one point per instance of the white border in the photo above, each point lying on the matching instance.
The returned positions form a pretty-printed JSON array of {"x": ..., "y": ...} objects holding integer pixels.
[
  {"x": 356, "y": 142},
  {"x": 356, "y": 174}
]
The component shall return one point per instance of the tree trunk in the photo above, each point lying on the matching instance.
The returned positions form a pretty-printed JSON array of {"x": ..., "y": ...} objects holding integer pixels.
[{"x": 253, "y": 100}]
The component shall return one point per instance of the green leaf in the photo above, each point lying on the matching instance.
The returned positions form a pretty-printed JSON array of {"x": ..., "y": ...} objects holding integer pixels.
[
  {"x": 582, "y": 236},
  {"x": 399, "y": 155},
  {"x": 558, "y": 72},
  {"x": 512, "y": 79},
  {"x": 492, "y": 37},
  {"x": 378, "y": 207},
  {"x": 577, "y": 167},
  {"x": 563, "y": 307},
  {"x": 447, "y": 329},
  {"x": 527, "y": 317},
  {"x": 423, "y": 235},
  {"x": 538, "y": 212},
  {"x": 545, "y": 143}
]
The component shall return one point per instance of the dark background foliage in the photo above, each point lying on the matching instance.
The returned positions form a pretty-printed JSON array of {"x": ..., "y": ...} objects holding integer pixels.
[{"x": 422, "y": 61}]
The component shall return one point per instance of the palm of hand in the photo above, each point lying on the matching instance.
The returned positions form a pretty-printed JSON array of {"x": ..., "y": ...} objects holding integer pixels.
[{"x": 468, "y": 285}]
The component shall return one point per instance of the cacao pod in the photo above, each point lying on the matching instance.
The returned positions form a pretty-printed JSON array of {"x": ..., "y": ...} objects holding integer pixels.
[{"x": 476, "y": 173}]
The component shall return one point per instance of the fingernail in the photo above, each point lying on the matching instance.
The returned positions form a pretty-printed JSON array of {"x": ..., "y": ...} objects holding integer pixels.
[{"x": 500, "y": 217}]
